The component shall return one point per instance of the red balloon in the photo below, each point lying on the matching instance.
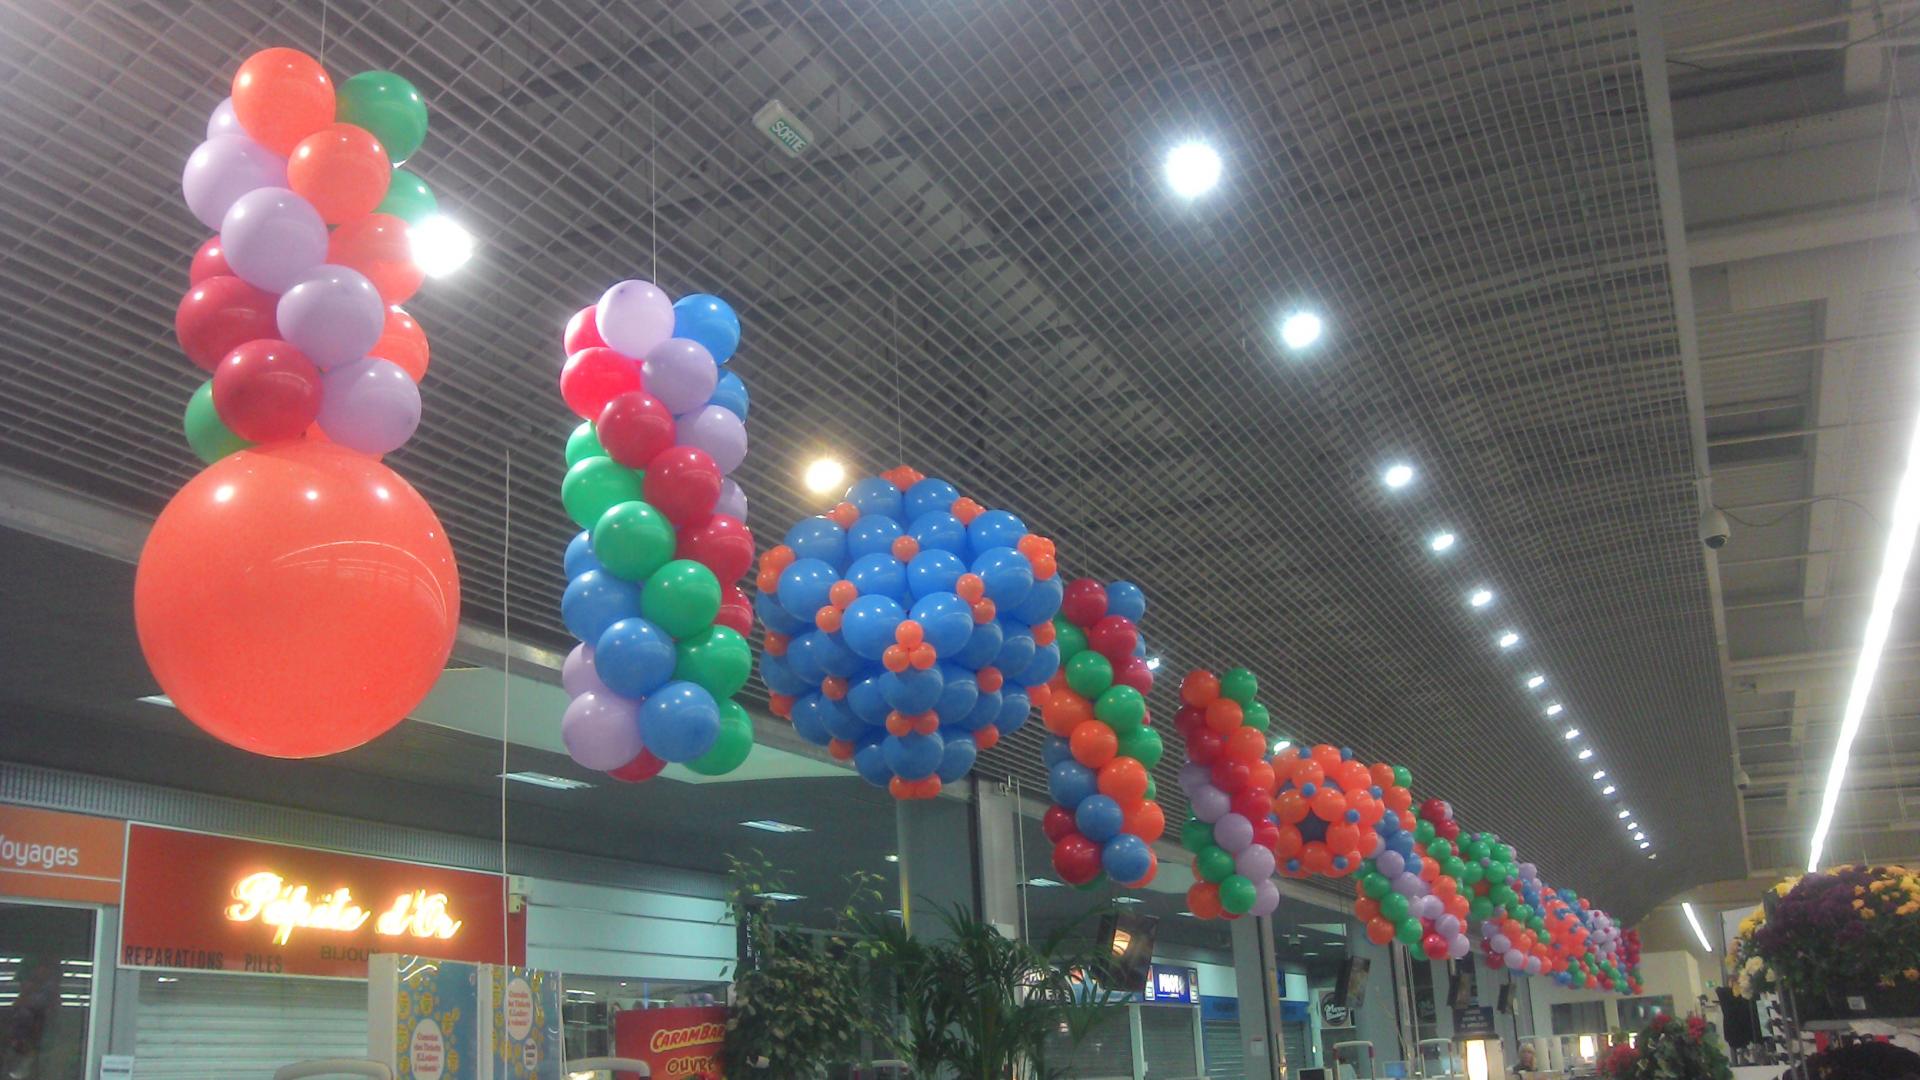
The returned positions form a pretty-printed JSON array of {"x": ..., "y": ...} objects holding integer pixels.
[
  {"x": 1448, "y": 829},
  {"x": 297, "y": 600},
  {"x": 644, "y": 767},
  {"x": 583, "y": 332},
  {"x": 1379, "y": 930},
  {"x": 342, "y": 170},
  {"x": 1252, "y": 803},
  {"x": 1435, "y": 810},
  {"x": 1146, "y": 821},
  {"x": 1113, "y": 637},
  {"x": 1057, "y": 823},
  {"x": 1266, "y": 833},
  {"x": 1187, "y": 719},
  {"x": 684, "y": 484},
  {"x": 736, "y": 610},
  {"x": 1229, "y": 775},
  {"x": 403, "y": 342},
  {"x": 723, "y": 544},
  {"x": 1203, "y": 899},
  {"x": 1076, "y": 859},
  {"x": 592, "y": 378},
  {"x": 209, "y": 262},
  {"x": 281, "y": 96},
  {"x": 221, "y": 314},
  {"x": 266, "y": 390},
  {"x": 1133, "y": 671},
  {"x": 1204, "y": 746},
  {"x": 1084, "y": 601},
  {"x": 1434, "y": 946},
  {"x": 377, "y": 246},
  {"x": 633, "y": 426},
  {"x": 1246, "y": 745}
]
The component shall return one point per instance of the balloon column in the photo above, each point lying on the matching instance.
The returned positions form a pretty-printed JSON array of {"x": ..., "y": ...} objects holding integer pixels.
[
  {"x": 908, "y": 629},
  {"x": 1229, "y": 784},
  {"x": 651, "y": 578},
  {"x": 1102, "y": 747},
  {"x": 297, "y": 598},
  {"x": 1409, "y": 890}
]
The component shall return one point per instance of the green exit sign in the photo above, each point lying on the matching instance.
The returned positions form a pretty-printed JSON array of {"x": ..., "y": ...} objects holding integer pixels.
[{"x": 784, "y": 128}]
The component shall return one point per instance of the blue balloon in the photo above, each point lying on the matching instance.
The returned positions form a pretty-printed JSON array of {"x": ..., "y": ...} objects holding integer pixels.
[
  {"x": 818, "y": 538},
  {"x": 1007, "y": 575},
  {"x": 983, "y": 646},
  {"x": 1126, "y": 858},
  {"x": 1016, "y": 652},
  {"x": 1126, "y": 599},
  {"x": 596, "y": 600},
  {"x": 939, "y": 531},
  {"x": 1015, "y": 708},
  {"x": 1054, "y": 751},
  {"x": 913, "y": 756},
  {"x": 934, "y": 571},
  {"x": 806, "y": 655},
  {"x": 810, "y": 718},
  {"x": 912, "y": 691},
  {"x": 995, "y": 528},
  {"x": 870, "y": 761},
  {"x": 868, "y": 625},
  {"x": 731, "y": 394},
  {"x": 841, "y": 722},
  {"x": 1414, "y": 863},
  {"x": 946, "y": 619},
  {"x": 579, "y": 557},
  {"x": 879, "y": 575},
  {"x": 986, "y": 710},
  {"x": 804, "y": 586},
  {"x": 875, "y": 496},
  {"x": 709, "y": 321},
  {"x": 779, "y": 676},
  {"x": 1068, "y": 782},
  {"x": 956, "y": 758},
  {"x": 1099, "y": 818},
  {"x": 959, "y": 693},
  {"x": 868, "y": 700},
  {"x": 1042, "y": 602},
  {"x": 634, "y": 657},
  {"x": 873, "y": 535},
  {"x": 928, "y": 496},
  {"x": 837, "y": 659},
  {"x": 1046, "y": 661},
  {"x": 777, "y": 618},
  {"x": 1139, "y": 645},
  {"x": 680, "y": 722}
]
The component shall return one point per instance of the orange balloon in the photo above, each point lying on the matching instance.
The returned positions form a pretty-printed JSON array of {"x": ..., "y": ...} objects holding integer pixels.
[
  {"x": 1123, "y": 780},
  {"x": 1064, "y": 713},
  {"x": 1203, "y": 899},
  {"x": 1366, "y": 908},
  {"x": 1290, "y": 842},
  {"x": 986, "y": 738},
  {"x": 297, "y": 600},
  {"x": 1308, "y": 771},
  {"x": 281, "y": 96},
  {"x": 1260, "y": 775},
  {"x": 403, "y": 342},
  {"x": 1382, "y": 774},
  {"x": 1343, "y": 838},
  {"x": 342, "y": 170},
  {"x": 1093, "y": 744},
  {"x": 1146, "y": 821},
  {"x": 1245, "y": 744},
  {"x": 1316, "y": 858},
  {"x": 1353, "y": 776},
  {"x": 1379, "y": 930},
  {"x": 1330, "y": 805},
  {"x": 1327, "y": 756},
  {"x": 1200, "y": 688},
  {"x": 1225, "y": 716},
  {"x": 377, "y": 246},
  {"x": 1290, "y": 807}
]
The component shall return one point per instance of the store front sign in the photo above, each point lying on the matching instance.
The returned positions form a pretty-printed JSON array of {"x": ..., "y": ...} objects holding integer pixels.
[
  {"x": 1171, "y": 985},
  {"x": 48, "y": 855},
  {"x": 681, "y": 1043},
  {"x": 214, "y": 903}
]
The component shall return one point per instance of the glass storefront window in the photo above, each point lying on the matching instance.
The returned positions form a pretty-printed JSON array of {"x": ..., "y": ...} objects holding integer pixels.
[{"x": 46, "y": 991}]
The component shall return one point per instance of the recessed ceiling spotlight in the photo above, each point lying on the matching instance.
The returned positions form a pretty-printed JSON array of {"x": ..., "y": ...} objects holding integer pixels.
[
  {"x": 1193, "y": 169},
  {"x": 1639, "y": 836},
  {"x": 1599, "y": 774},
  {"x": 1397, "y": 475},
  {"x": 825, "y": 475},
  {"x": 1624, "y": 814},
  {"x": 1480, "y": 597},
  {"x": 1441, "y": 541},
  {"x": 1570, "y": 734},
  {"x": 1554, "y": 709},
  {"x": 1586, "y": 752},
  {"x": 1644, "y": 845},
  {"x": 439, "y": 245},
  {"x": 1153, "y": 663},
  {"x": 1535, "y": 682},
  {"x": 1509, "y": 639},
  {"x": 1281, "y": 744},
  {"x": 1633, "y": 825},
  {"x": 1608, "y": 790},
  {"x": 1301, "y": 329}
]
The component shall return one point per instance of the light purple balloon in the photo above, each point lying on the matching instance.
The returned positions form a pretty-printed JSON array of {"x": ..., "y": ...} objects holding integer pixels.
[
  {"x": 577, "y": 673},
  {"x": 1409, "y": 885},
  {"x": 602, "y": 731},
  {"x": 682, "y": 374},
  {"x": 1266, "y": 897},
  {"x": 1500, "y": 943},
  {"x": 1528, "y": 871},
  {"x": 1233, "y": 832},
  {"x": 1431, "y": 907},
  {"x": 733, "y": 501},
  {"x": 1458, "y": 947},
  {"x": 1192, "y": 775},
  {"x": 717, "y": 431},
  {"x": 272, "y": 237},
  {"x": 223, "y": 121},
  {"x": 1514, "y": 959},
  {"x": 633, "y": 317},
  {"x": 224, "y": 168},
  {"x": 1533, "y": 965},
  {"x": 1253, "y": 862},
  {"x": 333, "y": 314},
  {"x": 1390, "y": 863},
  {"x": 1447, "y": 926},
  {"x": 1209, "y": 803},
  {"x": 369, "y": 405}
]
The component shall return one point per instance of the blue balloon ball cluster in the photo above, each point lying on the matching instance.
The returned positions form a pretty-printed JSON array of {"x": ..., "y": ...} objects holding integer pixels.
[{"x": 884, "y": 659}]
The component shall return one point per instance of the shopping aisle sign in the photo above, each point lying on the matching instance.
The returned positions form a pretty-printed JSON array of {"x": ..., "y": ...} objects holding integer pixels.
[
  {"x": 47, "y": 855},
  {"x": 680, "y": 1043}
]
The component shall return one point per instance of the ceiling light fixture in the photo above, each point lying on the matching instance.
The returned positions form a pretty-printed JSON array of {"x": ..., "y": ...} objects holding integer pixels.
[
  {"x": 825, "y": 475},
  {"x": 1153, "y": 663},
  {"x": 1281, "y": 744},
  {"x": 158, "y": 699},
  {"x": 1535, "y": 682},
  {"x": 1624, "y": 814},
  {"x": 1193, "y": 169},
  {"x": 1585, "y": 752},
  {"x": 1042, "y": 883},
  {"x": 1480, "y": 597},
  {"x": 780, "y": 897},
  {"x": 1886, "y": 595},
  {"x": 1639, "y": 836},
  {"x": 1441, "y": 541},
  {"x": 772, "y": 826},
  {"x": 1397, "y": 475},
  {"x": 546, "y": 780},
  {"x": 1301, "y": 329},
  {"x": 890, "y": 857},
  {"x": 1644, "y": 845},
  {"x": 1509, "y": 639},
  {"x": 1608, "y": 790},
  {"x": 440, "y": 245},
  {"x": 1554, "y": 709},
  {"x": 1635, "y": 826},
  {"x": 1600, "y": 774},
  {"x": 1570, "y": 734},
  {"x": 1128, "y": 900}
]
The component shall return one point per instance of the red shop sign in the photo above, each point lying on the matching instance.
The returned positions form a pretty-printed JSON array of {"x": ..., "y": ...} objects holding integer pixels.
[
  {"x": 681, "y": 1043},
  {"x": 214, "y": 903}
]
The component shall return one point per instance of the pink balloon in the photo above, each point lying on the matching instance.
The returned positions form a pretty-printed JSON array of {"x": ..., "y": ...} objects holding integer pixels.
[
  {"x": 602, "y": 731},
  {"x": 717, "y": 431},
  {"x": 372, "y": 406},
  {"x": 224, "y": 168},
  {"x": 633, "y": 317}
]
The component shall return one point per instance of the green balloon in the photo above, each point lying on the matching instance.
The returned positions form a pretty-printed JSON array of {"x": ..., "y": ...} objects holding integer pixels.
[
  {"x": 1498, "y": 871},
  {"x": 1153, "y": 789},
  {"x": 632, "y": 540},
  {"x": 1452, "y": 866},
  {"x": 1139, "y": 742},
  {"x": 408, "y": 198},
  {"x": 1237, "y": 894},
  {"x": 1196, "y": 835},
  {"x": 1375, "y": 884},
  {"x": 1240, "y": 685},
  {"x": 1089, "y": 674},
  {"x": 1472, "y": 873},
  {"x": 583, "y": 444},
  {"x": 593, "y": 486},
  {"x": 1071, "y": 639},
  {"x": 1500, "y": 895},
  {"x": 1423, "y": 832},
  {"x": 1479, "y": 909},
  {"x": 208, "y": 435},
  {"x": 1408, "y": 931},
  {"x": 734, "y": 742},
  {"x": 1255, "y": 716},
  {"x": 1440, "y": 849},
  {"x": 388, "y": 106},
  {"x": 1121, "y": 708},
  {"x": 1214, "y": 863},
  {"x": 1402, "y": 776},
  {"x": 1394, "y": 907},
  {"x": 681, "y": 598},
  {"x": 717, "y": 658}
]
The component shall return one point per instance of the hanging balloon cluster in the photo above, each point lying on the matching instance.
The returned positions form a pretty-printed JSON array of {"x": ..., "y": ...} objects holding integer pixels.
[
  {"x": 1229, "y": 784},
  {"x": 1103, "y": 747},
  {"x": 297, "y": 598},
  {"x": 651, "y": 578},
  {"x": 1410, "y": 890},
  {"x": 908, "y": 629}
]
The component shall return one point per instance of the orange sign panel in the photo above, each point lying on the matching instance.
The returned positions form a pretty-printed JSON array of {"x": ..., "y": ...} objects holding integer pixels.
[{"x": 48, "y": 855}]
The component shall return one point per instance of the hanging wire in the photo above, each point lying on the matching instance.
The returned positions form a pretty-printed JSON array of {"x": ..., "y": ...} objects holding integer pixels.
[{"x": 506, "y": 698}]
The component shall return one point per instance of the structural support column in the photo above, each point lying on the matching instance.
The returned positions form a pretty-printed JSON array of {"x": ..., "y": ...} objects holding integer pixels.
[
  {"x": 1257, "y": 981},
  {"x": 959, "y": 853}
]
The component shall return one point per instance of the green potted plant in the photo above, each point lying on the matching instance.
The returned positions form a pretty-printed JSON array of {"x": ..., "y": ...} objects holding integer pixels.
[{"x": 1669, "y": 1050}]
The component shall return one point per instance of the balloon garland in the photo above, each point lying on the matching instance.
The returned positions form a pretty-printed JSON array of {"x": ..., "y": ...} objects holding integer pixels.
[
  {"x": 651, "y": 578},
  {"x": 1229, "y": 785},
  {"x": 298, "y": 598},
  {"x": 908, "y": 629},
  {"x": 1102, "y": 747}
]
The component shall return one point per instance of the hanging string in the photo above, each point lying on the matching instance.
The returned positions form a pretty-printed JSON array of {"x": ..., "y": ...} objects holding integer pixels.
[
  {"x": 899, "y": 409},
  {"x": 653, "y": 177},
  {"x": 506, "y": 694}
]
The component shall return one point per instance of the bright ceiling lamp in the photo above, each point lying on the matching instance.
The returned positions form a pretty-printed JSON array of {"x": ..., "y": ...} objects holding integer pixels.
[
  {"x": 1397, "y": 475},
  {"x": 1599, "y": 774},
  {"x": 1570, "y": 734},
  {"x": 825, "y": 476},
  {"x": 1554, "y": 709},
  {"x": 1193, "y": 169},
  {"x": 1301, "y": 329},
  {"x": 1886, "y": 594},
  {"x": 1441, "y": 541},
  {"x": 1509, "y": 639},
  {"x": 1625, "y": 814},
  {"x": 1608, "y": 790},
  {"x": 1480, "y": 597},
  {"x": 1585, "y": 753},
  {"x": 1535, "y": 682},
  {"x": 440, "y": 245}
]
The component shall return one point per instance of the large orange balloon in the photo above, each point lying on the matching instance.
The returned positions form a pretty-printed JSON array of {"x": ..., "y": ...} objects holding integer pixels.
[
  {"x": 377, "y": 246},
  {"x": 297, "y": 600},
  {"x": 342, "y": 170},
  {"x": 281, "y": 96},
  {"x": 403, "y": 342}
]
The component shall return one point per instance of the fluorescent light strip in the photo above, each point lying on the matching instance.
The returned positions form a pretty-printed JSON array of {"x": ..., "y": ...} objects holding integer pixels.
[
  {"x": 1886, "y": 596},
  {"x": 772, "y": 826},
  {"x": 546, "y": 780}
]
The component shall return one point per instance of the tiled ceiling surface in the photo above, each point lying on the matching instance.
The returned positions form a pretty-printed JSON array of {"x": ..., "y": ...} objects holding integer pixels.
[{"x": 977, "y": 269}]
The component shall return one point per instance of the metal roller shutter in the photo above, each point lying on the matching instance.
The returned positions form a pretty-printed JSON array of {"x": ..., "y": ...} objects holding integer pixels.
[
  {"x": 238, "y": 1027},
  {"x": 1221, "y": 1041},
  {"x": 1166, "y": 1034},
  {"x": 1105, "y": 1054}
]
